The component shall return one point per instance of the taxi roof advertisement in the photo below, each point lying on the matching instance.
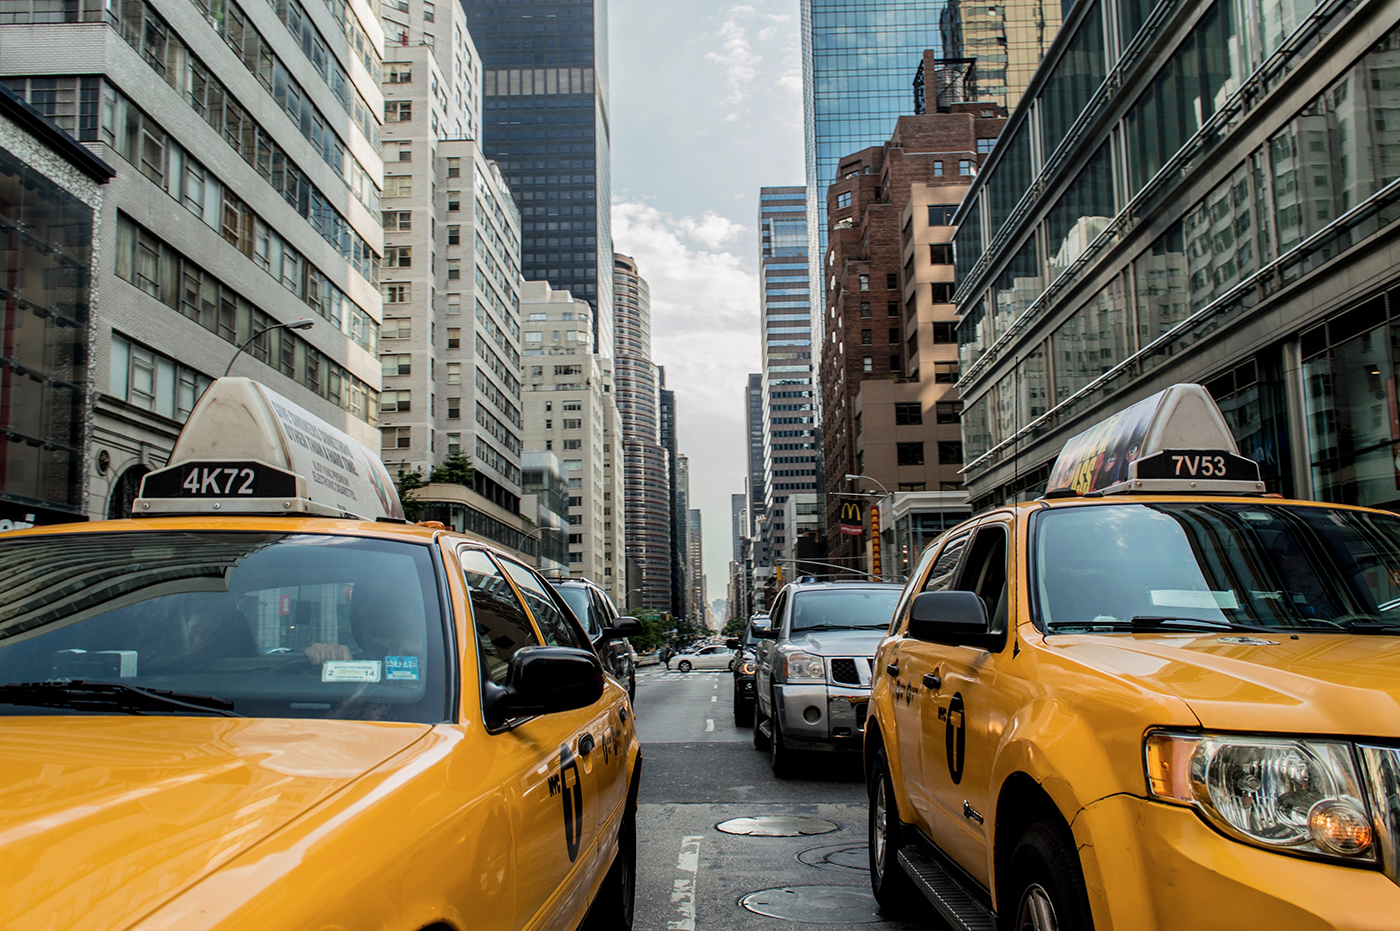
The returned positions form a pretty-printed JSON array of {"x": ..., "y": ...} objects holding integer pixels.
[{"x": 1099, "y": 456}]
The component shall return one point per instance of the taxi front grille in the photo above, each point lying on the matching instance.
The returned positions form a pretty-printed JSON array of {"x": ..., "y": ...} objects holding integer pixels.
[
  {"x": 1382, "y": 775},
  {"x": 844, "y": 671}
]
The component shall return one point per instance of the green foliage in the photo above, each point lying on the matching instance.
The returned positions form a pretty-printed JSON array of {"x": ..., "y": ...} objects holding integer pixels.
[
  {"x": 734, "y": 627},
  {"x": 407, "y": 483},
  {"x": 455, "y": 470},
  {"x": 651, "y": 637}
]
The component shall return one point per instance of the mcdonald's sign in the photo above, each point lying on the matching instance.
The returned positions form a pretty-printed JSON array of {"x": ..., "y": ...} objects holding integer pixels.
[{"x": 852, "y": 522}]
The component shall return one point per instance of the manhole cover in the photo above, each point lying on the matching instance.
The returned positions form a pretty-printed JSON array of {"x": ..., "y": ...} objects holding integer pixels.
[
  {"x": 815, "y": 904},
  {"x": 838, "y": 857},
  {"x": 778, "y": 826}
]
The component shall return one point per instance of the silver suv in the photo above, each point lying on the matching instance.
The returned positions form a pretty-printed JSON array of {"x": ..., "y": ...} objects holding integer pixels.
[{"x": 812, "y": 675}]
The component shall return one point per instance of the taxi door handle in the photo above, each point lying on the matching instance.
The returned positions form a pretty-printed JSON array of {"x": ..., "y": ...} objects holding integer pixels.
[
  {"x": 892, "y": 669},
  {"x": 932, "y": 682},
  {"x": 585, "y": 745}
]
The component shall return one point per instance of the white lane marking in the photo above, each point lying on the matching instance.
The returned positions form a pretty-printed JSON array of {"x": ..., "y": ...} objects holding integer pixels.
[
  {"x": 714, "y": 698},
  {"x": 683, "y": 890},
  {"x": 716, "y": 685},
  {"x": 709, "y": 725}
]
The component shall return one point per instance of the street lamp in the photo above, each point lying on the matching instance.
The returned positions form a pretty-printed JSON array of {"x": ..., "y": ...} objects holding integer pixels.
[
  {"x": 305, "y": 323},
  {"x": 877, "y": 566},
  {"x": 852, "y": 477}
]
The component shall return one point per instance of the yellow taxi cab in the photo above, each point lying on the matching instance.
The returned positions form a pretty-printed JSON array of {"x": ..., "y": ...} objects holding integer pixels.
[
  {"x": 1157, "y": 698},
  {"x": 273, "y": 703}
]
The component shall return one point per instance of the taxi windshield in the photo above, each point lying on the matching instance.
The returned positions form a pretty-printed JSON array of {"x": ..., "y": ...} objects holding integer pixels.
[
  {"x": 855, "y": 608},
  {"x": 252, "y": 624},
  {"x": 577, "y": 600},
  {"x": 1204, "y": 565}
]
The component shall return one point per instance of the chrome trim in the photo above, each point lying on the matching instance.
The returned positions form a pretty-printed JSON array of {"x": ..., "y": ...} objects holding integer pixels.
[{"x": 1380, "y": 768}]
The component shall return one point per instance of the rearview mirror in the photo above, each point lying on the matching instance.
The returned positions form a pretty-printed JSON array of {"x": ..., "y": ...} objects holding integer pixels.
[
  {"x": 544, "y": 680},
  {"x": 955, "y": 618},
  {"x": 621, "y": 628}
]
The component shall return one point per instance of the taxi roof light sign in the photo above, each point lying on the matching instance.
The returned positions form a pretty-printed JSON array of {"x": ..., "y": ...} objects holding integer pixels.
[
  {"x": 1176, "y": 441},
  {"x": 247, "y": 450}
]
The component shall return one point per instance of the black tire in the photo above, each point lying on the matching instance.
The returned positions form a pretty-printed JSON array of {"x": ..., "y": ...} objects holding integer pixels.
[
  {"x": 760, "y": 740},
  {"x": 779, "y": 754},
  {"x": 743, "y": 712},
  {"x": 632, "y": 687},
  {"x": 1045, "y": 883},
  {"x": 731, "y": 665},
  {"x": 893, "y": 888},
  {"x": 683, "y": 665},
  {"x": 614, "y": 908}
]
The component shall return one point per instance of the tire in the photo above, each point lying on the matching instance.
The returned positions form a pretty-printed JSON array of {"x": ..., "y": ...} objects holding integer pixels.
[
  {"x": 683, "y": 665},
  {"x": 743, "y": 712},
  {"x": 1045, "y": 888},
  {"x": 893, "y": 888},
  {"x": 632, "y": 687},
  {"x": 731, "y": 665},
  {"x": 779, "y": 755},
  {"x": 614, "y": 908},
  {"x": 760, "y": 742}
]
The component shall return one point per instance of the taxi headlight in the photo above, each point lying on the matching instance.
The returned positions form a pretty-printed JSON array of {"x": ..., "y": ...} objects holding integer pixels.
[
  {"x": 746, "y": 667},
  {"x": 802, "y": 666},
  {"x": 1298, "y": 795}
]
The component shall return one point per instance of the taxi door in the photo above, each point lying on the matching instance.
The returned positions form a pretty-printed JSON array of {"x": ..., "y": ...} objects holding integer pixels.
[
  {"x": 913, "y": 661},
  {"x": 963, "y": 717},
  {"x": 554, "y": 805},
  {"x": 596, "y": 762}
]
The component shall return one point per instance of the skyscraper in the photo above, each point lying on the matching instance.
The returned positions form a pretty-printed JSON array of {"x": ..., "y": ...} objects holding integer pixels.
[{"x": 545, "y": 122}]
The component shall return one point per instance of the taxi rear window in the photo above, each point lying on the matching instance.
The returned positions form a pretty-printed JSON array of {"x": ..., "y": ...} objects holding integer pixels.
[{"x": 256, "y": 624}]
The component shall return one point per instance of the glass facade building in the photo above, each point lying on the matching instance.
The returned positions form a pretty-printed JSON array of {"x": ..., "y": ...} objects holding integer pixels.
[
  {"x": 1193, "y": 192},
  {"x": 545, "y": 122}
]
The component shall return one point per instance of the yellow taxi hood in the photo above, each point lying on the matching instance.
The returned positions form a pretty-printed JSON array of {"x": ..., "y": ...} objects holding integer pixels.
[
  {"x": 1343, "y": 684},
  {"x": 106, "y": 818}
]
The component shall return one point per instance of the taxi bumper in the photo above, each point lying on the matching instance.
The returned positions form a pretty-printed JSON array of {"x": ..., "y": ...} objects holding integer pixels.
[
  {"x": 822, "y": 713},
  {"x": 1159, "y": 867}
]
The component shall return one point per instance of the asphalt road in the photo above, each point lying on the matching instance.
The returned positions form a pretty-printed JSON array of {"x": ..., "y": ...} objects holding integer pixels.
[{"x": 699, "y": 770}]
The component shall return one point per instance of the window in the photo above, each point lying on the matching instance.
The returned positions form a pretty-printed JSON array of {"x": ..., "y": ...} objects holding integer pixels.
[
  {"x": 573, "y": 444},
  {"x": 941, "y": 293},
  {"x": 454, "y": 168},
  {"x": 965, "y": 167},
  {"x": 865, "y": 282},
  {"x": 867, "y": 365},
  {"x": 398, "y": 221},
  {"x": 395, "y": 437},
  {"x": 454, "y": 337},
  {"x": 891, "y": 282},
  {"x": 454, "y": 235},
  {"x": 945, "y": 373},
  {"x": 569, "y": 406},
  {"x": 454, "y": 304},
  {"x": 398, "y": 257},
  {"x": 950, "y": 451},
  {"x": 865, "y": 310},
  {"x": 892, "y": 309},
  {"x": 942, "y": 214},
  {"x": 397, "y": 293},
  {"x": 398, "y": 185},
  {"x": 865, "y": 338},
  {"x": 534, "y": 336},
  {"x": 454, "y": 408},
  {"x": 573, "y": 423},
  {"x": 428, "y": 12},
  {"x": 398, "y": 111},
  {"x": 938, "y": 168},
  {"x": 843, "y": 200},
  {"x": 985, "y": 146},
  {"x": 395, "y": 401},
  {"x": 454, "y": 444},
  {"x": 396, "y": 364},
  {"x": 399, "y": 151},
  {"x": 396, "y": 328},
  {"x": 454, "y": 200},
  {"x": 945, "y": 333},
  {"x": 575, "y": 501},
  {"x": 502, "y": 626},
  {"x": 894, "y": 363},
  {"x": 913, "y": 486},
  {"x": 908, "y": 412},
  {"x": 909, "y": 453},
  {"x": 454, "y": 269},
  {"x": 894, "y": 336},
  {"x": 949, "y": 411},
  {"x": 398, "y": 73},
  {"x": 941, "y": 254},
  {"x": 454, "y": 373}
]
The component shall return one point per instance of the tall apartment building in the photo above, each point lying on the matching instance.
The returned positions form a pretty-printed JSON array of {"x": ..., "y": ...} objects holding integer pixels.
[
  {"x": 569, "y": 410},
  {"x": 646, "y": 466},
  {"x": 698, "y": 608},
  {"x": 546, "y": 502},
  {"x": 450, "y": 347},
  {"x": 545, "y": 122},
  {"x": 1232, "y": 228},
  {"x": 889, "y": 361},
  {"x": 791, "y": 447},
  {"x": 246, "y": 142},
  {"x": 753, "y": 421},
  {"x": 678, "y": 474}
]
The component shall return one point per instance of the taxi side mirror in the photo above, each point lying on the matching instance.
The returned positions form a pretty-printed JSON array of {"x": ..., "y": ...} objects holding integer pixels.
[
  {"x": 621, "y": 628},
  {"x": 954, "y": 618},
  {"x": 766, "y": 633},
  {"x": 545, "y": 680}
]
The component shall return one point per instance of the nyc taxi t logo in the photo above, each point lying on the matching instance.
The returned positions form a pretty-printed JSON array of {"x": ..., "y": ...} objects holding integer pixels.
[{"x": 572, "y": 792}]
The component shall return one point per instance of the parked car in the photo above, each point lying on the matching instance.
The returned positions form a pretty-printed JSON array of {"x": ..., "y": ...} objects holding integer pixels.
[
  {"x": 595, "y": 611},
  {"x": 743, "y": 669},
  {"x": 714, "y": 657},
  {"x": 812, "y": 675}
]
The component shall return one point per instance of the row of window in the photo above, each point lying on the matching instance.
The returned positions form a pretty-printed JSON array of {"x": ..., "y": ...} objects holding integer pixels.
[
  {"x": 146, "y": 379},
  {"x": 149, "y": 263}
]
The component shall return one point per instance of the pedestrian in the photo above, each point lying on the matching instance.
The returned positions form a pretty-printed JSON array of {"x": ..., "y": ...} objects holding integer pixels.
[{"x": 666, "y": 656}]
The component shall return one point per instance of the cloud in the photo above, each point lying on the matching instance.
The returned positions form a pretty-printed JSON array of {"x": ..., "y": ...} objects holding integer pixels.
[{"x": 738, "y": 59}]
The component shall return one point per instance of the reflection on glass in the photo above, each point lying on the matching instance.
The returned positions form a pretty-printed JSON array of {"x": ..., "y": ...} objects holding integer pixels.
[
  {"x": 1354, "y": 420},
  {"x": 1083, "y": 212},
  {"x": 1069, "y": 87},
  {"x": 1159, "y": 274},
  {"x": 1093, "y": 340},
  {"x": 1016, "y": 288},
  {"x": 1011, "y": 179}
]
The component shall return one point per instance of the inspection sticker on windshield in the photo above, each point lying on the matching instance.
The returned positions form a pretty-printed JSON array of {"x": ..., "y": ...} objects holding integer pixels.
[
  {"x": 401, "y": 668},
  {"x": 338, "y": 670},
  {"x": 1181, "y": 598}
]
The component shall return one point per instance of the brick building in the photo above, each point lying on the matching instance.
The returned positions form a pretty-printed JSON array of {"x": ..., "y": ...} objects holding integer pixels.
[{"x": 889, "y": 355}]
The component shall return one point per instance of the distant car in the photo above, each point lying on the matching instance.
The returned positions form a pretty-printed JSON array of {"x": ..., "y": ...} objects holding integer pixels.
[
  {"x": 595, "y": 611},
  {"x": 743, "y": 668},
  {"x": 720, "y": 657}
]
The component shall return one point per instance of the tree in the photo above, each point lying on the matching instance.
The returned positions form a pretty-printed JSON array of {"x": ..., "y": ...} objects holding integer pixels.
[
  {"x": 407, "y": 484},
  {"x": 455, "y": 470},
  {"x": 734, "y": 627}
]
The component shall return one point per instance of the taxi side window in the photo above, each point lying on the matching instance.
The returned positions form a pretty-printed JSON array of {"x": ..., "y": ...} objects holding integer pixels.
[
  {"x": 984, "y": 571},
  {"x": 777, "y": 613},
  {"x": 502, "y": 626},
  {"x": 941, "y": 577},
  {"x": 557, "y": 629}
]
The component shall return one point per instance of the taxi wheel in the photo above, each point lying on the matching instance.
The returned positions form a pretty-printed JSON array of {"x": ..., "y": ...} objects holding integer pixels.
[
  {"x": 613, "y": 910},
  {"x": 683, "y": 665},
  {"x": 1046, "y": 889},
  {"x": 892, "y": 886},
  {"x": 760, "y": 740},
  {"x": 779, "y": 755}
]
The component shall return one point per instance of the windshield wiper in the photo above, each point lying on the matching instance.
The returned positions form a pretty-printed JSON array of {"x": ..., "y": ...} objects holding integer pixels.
[
  {"x": 803, "y": 630},
  {"x": 1371, "y": 627},
  {"x": 80, "y": 695},
  {"x": 1154, "y": 622}
]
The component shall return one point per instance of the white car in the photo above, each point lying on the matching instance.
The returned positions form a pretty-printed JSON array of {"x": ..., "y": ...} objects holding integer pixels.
[{"x": 719, "y": 657}]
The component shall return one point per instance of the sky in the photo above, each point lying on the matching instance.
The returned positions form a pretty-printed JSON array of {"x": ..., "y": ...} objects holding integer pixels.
[{"x": 706, "y": 109}]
